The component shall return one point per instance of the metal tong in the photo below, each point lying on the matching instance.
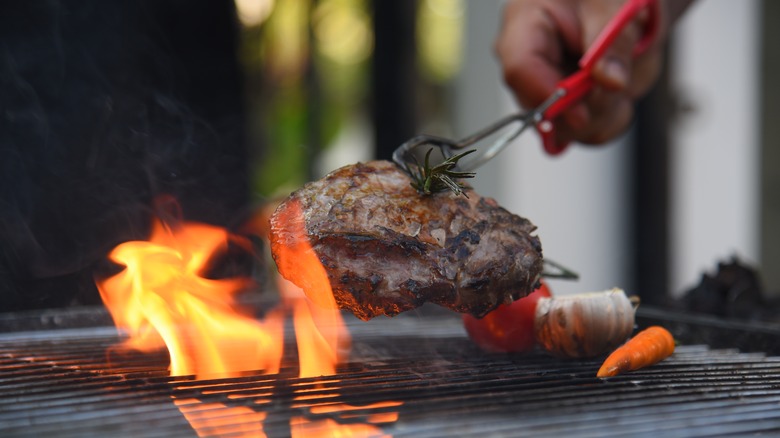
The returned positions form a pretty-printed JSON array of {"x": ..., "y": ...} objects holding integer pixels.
[{"x": 569, "y": 91}]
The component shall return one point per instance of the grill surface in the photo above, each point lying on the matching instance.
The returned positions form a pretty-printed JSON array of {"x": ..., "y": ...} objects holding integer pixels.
[{"x": 74, "y": 383}]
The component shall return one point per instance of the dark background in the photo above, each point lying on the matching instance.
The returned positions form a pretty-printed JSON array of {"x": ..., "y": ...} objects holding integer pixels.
[{"x": 106, "y": 105}]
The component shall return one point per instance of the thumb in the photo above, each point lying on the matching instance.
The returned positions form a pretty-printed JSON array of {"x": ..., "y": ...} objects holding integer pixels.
[{"x": 614, "y": 69}]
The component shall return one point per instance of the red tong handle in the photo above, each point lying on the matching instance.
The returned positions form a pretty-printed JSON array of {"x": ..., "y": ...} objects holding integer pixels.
[{"x": 577, "y": 85}]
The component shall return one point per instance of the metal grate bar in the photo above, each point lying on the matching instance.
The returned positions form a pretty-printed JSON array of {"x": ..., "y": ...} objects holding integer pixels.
[{"x": 78, "y": 384}]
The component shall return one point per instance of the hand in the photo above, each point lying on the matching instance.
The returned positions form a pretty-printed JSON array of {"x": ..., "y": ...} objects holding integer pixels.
[{"x": 541, "y": 42}]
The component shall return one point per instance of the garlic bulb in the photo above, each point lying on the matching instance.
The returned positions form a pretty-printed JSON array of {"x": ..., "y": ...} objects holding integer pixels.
[{"x": 584, "y": 325}]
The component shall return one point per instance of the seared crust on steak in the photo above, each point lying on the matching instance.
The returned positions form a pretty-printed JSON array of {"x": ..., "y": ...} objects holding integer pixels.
[{"x": 387, "y": 249}]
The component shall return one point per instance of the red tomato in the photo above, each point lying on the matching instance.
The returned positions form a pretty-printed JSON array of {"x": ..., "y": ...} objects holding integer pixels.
[{"x": 508, "y": 328}]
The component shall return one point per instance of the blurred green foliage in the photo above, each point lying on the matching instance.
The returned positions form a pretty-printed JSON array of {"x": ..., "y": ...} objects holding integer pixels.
[{"x": 307, "y": 68}]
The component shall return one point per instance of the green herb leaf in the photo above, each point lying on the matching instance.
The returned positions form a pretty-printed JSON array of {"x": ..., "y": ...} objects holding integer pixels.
[
  {"x": 556, "y": 270},
  {"x": 443, "y": 176}
]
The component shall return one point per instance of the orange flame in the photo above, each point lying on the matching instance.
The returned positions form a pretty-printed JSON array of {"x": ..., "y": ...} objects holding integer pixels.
[
  {"x": 323, "y": 340},
  {"x": 303, "y": 428},
  {"x": 216, "y": 419},
  {"x": 162, "y": 298}
]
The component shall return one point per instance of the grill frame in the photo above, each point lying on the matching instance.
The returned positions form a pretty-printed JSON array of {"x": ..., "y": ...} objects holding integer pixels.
[{"x": 63, "y": 381}]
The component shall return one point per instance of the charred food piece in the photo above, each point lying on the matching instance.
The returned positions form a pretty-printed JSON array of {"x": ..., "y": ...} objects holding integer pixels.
[{"x": 387, "y": 249}]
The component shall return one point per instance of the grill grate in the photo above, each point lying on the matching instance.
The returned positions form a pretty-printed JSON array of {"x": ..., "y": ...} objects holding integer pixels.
[{"x": 73, "y": 383}]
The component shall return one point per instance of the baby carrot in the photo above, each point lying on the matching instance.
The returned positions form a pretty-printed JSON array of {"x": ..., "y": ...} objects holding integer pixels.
[{"x": 648, "y": 347}]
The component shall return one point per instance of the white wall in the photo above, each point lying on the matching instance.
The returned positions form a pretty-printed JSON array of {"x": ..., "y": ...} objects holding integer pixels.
[
  {"x": 578, "y": 200},
  {"x": 715, "y": 149}
]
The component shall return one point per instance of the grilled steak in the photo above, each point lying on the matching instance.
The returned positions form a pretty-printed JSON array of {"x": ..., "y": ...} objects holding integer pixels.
[{"x": 387, "y": 249}]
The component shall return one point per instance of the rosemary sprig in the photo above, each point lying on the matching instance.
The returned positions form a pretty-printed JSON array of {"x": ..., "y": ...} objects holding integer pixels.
[
  {"x": 558, "y": 271},
  {"x": 441, "y": 177}
]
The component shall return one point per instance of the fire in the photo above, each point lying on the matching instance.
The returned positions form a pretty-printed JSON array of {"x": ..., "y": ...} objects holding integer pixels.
[
  {"x": 320, "y": 331},
  {"x": 303, "y": 428},
  {"x": 239, "y": 421},
  {"x": 163, "y": 298}
]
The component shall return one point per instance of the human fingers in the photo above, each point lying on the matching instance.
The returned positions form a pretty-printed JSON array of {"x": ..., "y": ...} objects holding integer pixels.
[
  {"x": 620, "y": 76},
  {"x": 614, "y": 68},
  {"x": 611, "y": 113},
  {"x": 538, "y": 46}
]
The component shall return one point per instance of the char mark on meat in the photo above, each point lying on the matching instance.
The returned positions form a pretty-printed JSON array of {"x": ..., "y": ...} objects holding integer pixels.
[{"x": 388, "y": 249}]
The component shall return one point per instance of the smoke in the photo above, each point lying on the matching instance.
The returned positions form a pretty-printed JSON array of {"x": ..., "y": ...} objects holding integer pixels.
[{"x": 105, "y": 106}]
